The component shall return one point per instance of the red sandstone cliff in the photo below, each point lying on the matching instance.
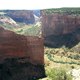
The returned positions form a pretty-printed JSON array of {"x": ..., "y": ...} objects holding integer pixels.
[
  {"x": 13, "y": 45},
  {"x": 56, "y": 24},
  {"x": 25, "y": 16},
  {"x": 60, "y": 29}
]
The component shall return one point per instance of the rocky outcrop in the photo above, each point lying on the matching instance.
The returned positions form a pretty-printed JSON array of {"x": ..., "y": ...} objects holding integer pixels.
[
  {"x": 56, "y": 24},
  {"x": 13, "y": 45},
  {"x": 60, "y": 29},
  {"x": 7, "y": 20},
  {"x": 25, "y": 16},
  {"x": 21, "y": 57}
]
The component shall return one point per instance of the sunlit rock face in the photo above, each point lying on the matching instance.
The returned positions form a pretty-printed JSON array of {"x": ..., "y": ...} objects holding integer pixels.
[
  {"x": 64, "y": 25},
  {"x": 21, "y": 57},
  {"x": 58, "y": 24},
  {"x": 5, "y": 20},
  {"x": 14, "y": 45},
  {"x": 25, "y": 16}
]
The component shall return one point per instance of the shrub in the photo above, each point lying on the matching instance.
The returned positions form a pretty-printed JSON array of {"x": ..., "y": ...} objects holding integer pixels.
[
  {"x": 76, "y": 56},
  {"x": 58, "y": 74}
]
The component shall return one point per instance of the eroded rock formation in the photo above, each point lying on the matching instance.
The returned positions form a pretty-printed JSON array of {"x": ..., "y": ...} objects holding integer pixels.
[
  {"x": 25, "y": 16},
  {"x": 15, "y": 45},
  {"x": 60, "y": 29},
  {"x": 21, "y": 57}
]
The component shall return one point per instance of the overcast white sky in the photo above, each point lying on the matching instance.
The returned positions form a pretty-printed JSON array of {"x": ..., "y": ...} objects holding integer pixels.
[{"x": 37, "y": 4}]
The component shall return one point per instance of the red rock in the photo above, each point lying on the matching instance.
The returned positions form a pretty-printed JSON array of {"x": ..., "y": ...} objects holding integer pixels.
[
  {"x": 25, "y": 16},
  {"x": 15, "y": 45},
  {"x": 56, "y": 24},
  {"x": 60, "y": 29}
]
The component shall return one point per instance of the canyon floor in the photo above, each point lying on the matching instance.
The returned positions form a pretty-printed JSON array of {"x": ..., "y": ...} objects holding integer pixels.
[{"x": 60, "y": 64}]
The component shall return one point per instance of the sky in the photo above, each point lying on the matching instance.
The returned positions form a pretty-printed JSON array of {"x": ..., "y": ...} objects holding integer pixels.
[{"x": 37, "y": 4}]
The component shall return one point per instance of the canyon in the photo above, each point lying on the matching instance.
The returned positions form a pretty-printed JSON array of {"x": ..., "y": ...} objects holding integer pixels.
[{"x": 60, "y": 29}]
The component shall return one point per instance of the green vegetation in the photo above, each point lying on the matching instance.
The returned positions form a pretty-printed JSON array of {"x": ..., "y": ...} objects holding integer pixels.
[
  {"x": 59, "y": 61},
  {"x": 75, "y": 56},
  {"x": 58, "y": 74},
  {"x": 71, "y": 11},
  {"x": 7, "y": 26},
  {"x": 76, "y": 48},
  {"x": 29, "y": 30}
]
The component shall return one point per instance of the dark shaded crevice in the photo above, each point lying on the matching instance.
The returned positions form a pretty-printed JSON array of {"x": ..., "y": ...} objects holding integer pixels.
[
  {"x": 10, "y": 70},
  {"x": 56, "y": 41}
]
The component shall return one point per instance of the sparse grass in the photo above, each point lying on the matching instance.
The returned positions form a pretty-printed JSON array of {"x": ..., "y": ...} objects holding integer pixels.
[
  {"x": 62, "y": 56},
  {"x": 58, "y": 62},
  {"x": 70, "y": 11},
  {"x": 76, "y": 48},
  {"x": 75, "y": 56},
  {"x": 7, "y": 26},
  {"x": 29, "y": 30}
]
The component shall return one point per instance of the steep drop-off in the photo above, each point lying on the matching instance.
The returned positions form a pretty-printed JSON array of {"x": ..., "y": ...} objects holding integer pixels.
[
  {"x": 14, "y": 45},
  {"x": 25, "y": 16},
  {"x": 60, "y": 29},
  {"x": 21, "y": 57}
]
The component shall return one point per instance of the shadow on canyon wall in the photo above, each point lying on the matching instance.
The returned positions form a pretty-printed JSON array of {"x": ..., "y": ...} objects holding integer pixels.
[
  {"x": 68, "y": 40},
  {"x": 13, "y": 70},
  {"x": 21, "y": 57}
]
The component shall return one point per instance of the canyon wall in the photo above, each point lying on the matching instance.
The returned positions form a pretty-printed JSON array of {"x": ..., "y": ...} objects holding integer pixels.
[
  {"x": 59, "y": 24},
  {"x": 14, "y": 45},
  {"x": 25, "y": 16},
  {"x": 60, "y": 27}
]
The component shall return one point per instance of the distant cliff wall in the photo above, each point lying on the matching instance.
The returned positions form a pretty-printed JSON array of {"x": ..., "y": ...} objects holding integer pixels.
[
  {"x": 60, "y": 24},
  {"x": 24, "y": 16},
  {"x": 57, "y": 26}
]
